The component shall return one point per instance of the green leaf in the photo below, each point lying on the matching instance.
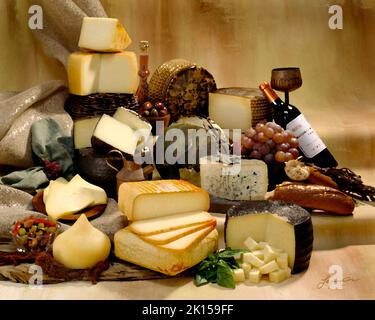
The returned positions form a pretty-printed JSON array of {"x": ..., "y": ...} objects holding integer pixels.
[
  {"x": 225, "y": 276},
  {"x": 230, "y": 253},
  {"x": 199, "y": 280}
]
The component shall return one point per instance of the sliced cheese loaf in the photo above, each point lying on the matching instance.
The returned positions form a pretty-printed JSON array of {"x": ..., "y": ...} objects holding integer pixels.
[
  {"x": 132, "y": 248},
  {"x": 150, "y": 199}
]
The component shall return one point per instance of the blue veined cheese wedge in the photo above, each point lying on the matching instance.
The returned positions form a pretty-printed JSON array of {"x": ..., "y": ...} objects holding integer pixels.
[
  {"x": 280, "y": 224},
  {"x": 247, "y": 180}
]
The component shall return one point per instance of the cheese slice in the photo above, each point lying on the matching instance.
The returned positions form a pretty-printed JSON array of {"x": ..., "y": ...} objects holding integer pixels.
[
  {"x": 98, "y": 194},
  {"x": 119, "y": 73},
  {"x": 169, "y": 236},
  {"x": 46, "y": 190},
  {"x": 102, "y": 72},
  {"x": 157, "y": 198},
  {"x": 63, "y": 199},
  {"x": 247, "y": 180},
  {"x": 103, "y": 35},
  {"x": 111, "y": 134},
  {"x": 169, "y": 223},
  {"x": 83, "y": 73},
  {"x": 130, "y": 247},
  {"x": 82, "y": 132},
  {"x": 141, "y": 127},
  {"x": 188, "y": 241}
]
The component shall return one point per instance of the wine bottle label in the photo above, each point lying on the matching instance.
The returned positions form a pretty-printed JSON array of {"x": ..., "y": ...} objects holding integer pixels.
[{"x": 309, "y": 141}]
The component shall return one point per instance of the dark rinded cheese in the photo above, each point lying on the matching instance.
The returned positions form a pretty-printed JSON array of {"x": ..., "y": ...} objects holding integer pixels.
[{"x": 282, "y": 225}]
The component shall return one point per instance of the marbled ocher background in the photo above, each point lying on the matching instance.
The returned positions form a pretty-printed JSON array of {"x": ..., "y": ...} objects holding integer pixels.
[{"x": 239, "y": 42}]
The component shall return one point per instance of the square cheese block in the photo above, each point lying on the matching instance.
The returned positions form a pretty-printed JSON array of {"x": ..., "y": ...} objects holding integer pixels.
[
  {"x": 247, "y": 180},
  {"x": 282, "y": 225},
  {"x": 83, "y": 73},
  {"x": 118, "y": 73},
  {"x": 102, "y": 72},
  {"x": 82, "y": 132},
  {"x": 103, "y": 35},
  {"x": 238, "y": 108},
  {"x": 157, "y": 198},
  {"x": 130, "y": 247},
  {"x": 111, "y": 134}
]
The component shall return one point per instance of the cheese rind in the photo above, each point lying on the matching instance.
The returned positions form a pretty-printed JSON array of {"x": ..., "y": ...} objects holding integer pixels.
[
  {"x": 150, "y": 199},
  {"x": 169, "y": 223},
  {"x": 247, "y": 180},
  {"x": 280, "y": 224},
  {"x": 82, "y": 132},
  {"x": 131, "y": 248},
  {"x": 103, "y": 35}
]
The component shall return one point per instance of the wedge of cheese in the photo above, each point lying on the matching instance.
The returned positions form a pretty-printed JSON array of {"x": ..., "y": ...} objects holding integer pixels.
[
  {"x": 111, "y": 134},
  {"x": 150, "y": 199},
  {"x": 130, "y": 247},
  {"x": 169, "y": 236},
  {"x": 98, "y": 194},
  {"x": 82, "y": 132},
  {"x": 103, "y": 35},
  {"x": 169, "y": 223},
  {"x": 46, "y": 190},
  {"x": 63, "y": 199}
]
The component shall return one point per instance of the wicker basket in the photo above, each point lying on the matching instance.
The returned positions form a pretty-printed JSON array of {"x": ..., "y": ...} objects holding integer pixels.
[{"x": 183, "y": 86}]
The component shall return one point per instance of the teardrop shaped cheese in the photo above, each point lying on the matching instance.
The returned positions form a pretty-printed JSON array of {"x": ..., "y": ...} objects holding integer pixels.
[{"x": 81, "y": 246}]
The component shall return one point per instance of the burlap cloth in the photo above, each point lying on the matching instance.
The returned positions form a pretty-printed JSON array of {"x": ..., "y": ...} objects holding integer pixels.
[{"x": 19, "y": 110}]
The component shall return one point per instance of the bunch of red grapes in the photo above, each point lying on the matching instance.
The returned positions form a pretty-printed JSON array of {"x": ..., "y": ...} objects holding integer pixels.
[{"x": 269, "y": 142}]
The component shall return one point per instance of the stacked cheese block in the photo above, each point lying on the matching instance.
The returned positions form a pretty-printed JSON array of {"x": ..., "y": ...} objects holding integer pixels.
[{"x": 170, "y": 230}]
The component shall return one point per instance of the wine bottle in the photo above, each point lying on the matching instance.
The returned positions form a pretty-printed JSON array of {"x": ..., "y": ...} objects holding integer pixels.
[{"x": 291, "y": 119}]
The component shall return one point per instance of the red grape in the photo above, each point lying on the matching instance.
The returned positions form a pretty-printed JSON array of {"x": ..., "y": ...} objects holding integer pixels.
[
  {"x": 269, "y": 132},
  {"x": 278, "y": 138},
  {"x": 259, "y": 127},
  {"x": 264, "y": 149},
  {"x": 247, "y": 142},
  {"x": 250, "y": 133},
  {"x": 262, "y": 137},
  {"x": 280, "y": 156},
  {"x": 257, "y": 145},
  {"x": 255, "y": 154},
  {"x": 287, "y": 136},
  {"x": 270, "y": 143},
  {"x": 294, "y": 142},
  {"x": 288, "y": 156},
  {"x": 269, "y": 158},
  {"x": 294, "y": 152},
  {"x": 283, "y": 147}
]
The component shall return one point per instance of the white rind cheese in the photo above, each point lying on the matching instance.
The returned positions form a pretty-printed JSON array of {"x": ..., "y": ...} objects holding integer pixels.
[
  {"x": 132, "y": 248},
  {"x": 157, "y": 198},
  {"x": 103, "y": 35},
  {"x": 247, "y": 180}
]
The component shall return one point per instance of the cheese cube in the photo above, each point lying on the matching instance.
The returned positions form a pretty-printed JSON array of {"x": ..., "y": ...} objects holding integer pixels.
[
  {"x": 269, "y": 267},
  {"x": 247, "y": 180},
  {"x": 246, "y": 268},
  {"x": 103, "y": 35},
  {"x": 269, "y": 254},
  {"x": 82, "y": 132},
  {"x": 282, "y": 260},
  {"x": 238, "y": 275},
  {"x": 279, "y": 275},
  {"x": 259, "y": 254},
  {"x": 254, "y": 276},
  {"x": 118, "y": 73},
  {"x": 251, "y": 244},
  {"x": 249, "y": 257},
  {"x": 83, "y": 73}
]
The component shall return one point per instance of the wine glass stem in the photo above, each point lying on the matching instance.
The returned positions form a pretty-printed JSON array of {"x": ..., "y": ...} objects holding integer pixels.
[{"x": 287, "y": 97}]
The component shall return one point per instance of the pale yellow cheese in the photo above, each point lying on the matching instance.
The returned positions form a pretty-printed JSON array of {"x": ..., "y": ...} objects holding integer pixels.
[
  {"x": 46, "y": 190},
  {"x": 81, "y": 246},
  {"x": 269, "y": 267},
  {"x": 188, "y": 241},
  {"x": 150, "y": 199},
  {"x": 169, "y": 236},
  {"x": 103, "y": 35},
  {"x": 246, "y": 268},
  {"x": 63, "y": 199},
  {"x": 119, "y": 73},
  {"x": 254, "y": 276},
  {"x": 279, "y": 275},
  {"x": 251, "y": 244},
  {"x": 250, "y": 258},
  {"x": 238, "y": 275},
  {"x": 168, "y": 223},
  {"x": 131, "y": 248},
  {"x": 102, "y": 72},
  {"x": 82, "y": 132},
  {"x": 259, "y": 254},
  {"x": 98, "y": 193},
  {"x": 83, "y": 73},
  {"x": 282, "y": 260},
  {"x": 269, "y": 254}
]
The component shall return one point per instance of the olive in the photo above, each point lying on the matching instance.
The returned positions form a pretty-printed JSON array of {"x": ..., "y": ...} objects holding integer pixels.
[
  {"x": 154, "y": 113},
  {"x": 147, "y": 105},
  {"x": 41, "y": 225},
  {"x": 159, "y": 105},
  {"x": 22, "y": 231},
  {"x": 146, "y": 113}
]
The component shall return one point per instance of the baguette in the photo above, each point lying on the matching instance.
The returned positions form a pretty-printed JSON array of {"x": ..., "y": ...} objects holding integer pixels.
[{"x": 314, "y": 197}]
